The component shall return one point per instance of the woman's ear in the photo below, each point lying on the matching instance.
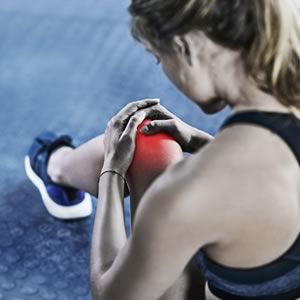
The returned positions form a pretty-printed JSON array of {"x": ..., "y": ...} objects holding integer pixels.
[{"x": 182, "y": 46}]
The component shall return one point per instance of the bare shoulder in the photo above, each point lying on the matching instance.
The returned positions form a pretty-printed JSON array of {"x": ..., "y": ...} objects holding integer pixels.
[
  {"x": 193, "y": 191},
  {"x": 235, "y": 168},
  {"x": 179, "y": 201},
  {"x": 244, "y": 170},
  {"x": 234, "y": 156},
  {"x": 200, "y": 182}
]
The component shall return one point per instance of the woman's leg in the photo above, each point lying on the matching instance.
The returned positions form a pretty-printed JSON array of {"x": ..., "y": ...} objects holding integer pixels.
[{"x": 78, "y": 168}]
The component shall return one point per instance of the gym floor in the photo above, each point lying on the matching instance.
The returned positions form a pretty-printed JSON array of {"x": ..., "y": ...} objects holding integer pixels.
[{"x": 66, "y": 66}]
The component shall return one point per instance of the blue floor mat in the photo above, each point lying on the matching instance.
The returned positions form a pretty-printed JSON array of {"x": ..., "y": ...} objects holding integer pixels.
[{"x": 66, "y": 66}]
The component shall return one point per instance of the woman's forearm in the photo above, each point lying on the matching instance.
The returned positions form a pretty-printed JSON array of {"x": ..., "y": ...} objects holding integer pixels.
[
  {"x": 198, "y": 139},
  {"x": 109, "y": 234}
]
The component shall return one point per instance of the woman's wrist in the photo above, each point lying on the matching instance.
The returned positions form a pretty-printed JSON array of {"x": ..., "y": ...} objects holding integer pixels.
[
  {"x": 198, "y": 140},
  {"x": 111, "y": 166},
  {"x": 111, "y": 182},
  {"x": 112, "y": 172}
]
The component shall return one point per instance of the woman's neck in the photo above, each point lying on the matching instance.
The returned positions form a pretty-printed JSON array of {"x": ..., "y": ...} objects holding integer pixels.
[{"x": 252, "y": 98}]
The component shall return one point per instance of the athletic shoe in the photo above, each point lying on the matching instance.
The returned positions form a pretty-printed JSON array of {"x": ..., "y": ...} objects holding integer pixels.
[{"x": 61, "y": 202}]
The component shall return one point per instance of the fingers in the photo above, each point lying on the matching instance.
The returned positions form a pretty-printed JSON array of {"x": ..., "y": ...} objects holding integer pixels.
[
  {"x": 169, "y": 126},
  {"x": 132, "y": 125},
  {"x": 158, "y": 112},
  {"x": 133, "y": 107}
]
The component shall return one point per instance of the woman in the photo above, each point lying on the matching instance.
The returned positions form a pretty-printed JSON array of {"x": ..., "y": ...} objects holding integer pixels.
[{"x": 234, "y": 204}]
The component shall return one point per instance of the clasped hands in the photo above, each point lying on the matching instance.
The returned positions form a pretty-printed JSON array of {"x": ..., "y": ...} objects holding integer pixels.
[{"x": 120, "y": 134}]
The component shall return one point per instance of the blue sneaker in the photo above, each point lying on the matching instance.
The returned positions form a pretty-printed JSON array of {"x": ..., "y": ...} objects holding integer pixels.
[{"x": 61, "y": 202}]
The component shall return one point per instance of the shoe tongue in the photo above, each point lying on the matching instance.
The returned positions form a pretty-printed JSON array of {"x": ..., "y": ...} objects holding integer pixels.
[
  {"x": 71, "y": 193},
  {"x": 63, "y": 140}
]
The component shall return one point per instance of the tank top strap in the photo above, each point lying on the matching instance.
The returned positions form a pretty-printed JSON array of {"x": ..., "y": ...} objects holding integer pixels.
[{"x": 285, "y": 125}]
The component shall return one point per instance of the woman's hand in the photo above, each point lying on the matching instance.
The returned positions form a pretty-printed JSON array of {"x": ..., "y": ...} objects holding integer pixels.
[
  {"x": 120, "y": 134},
  {"x": 189, "y": 138}
]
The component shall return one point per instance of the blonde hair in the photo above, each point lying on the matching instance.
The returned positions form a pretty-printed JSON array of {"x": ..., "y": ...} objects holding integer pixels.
[
  {"x": 274, "y": 57},
  {"x": 267, "y": 32}
]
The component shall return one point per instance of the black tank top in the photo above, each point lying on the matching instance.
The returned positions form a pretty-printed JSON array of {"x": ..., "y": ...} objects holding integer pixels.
[
  {"x": 280, "y": 279},
  {"x": 285, "y": 125}
]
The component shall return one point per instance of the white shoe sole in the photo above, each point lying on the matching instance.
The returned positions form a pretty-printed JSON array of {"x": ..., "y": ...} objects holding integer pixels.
[{"x": 77, "y": 211}]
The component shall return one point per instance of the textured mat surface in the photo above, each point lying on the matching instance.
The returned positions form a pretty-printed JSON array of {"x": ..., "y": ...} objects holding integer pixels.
[{"x": 67, "y": 66}]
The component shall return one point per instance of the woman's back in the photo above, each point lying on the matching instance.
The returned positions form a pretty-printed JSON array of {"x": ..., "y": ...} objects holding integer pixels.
[
  {"x": 252, "y": 177},
  {"x": 256, "y": 174},
  {"x": 259, "y": 178}
]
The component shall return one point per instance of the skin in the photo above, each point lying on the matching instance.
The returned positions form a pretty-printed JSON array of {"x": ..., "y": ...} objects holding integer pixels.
[{"x": 238, "y": 222}]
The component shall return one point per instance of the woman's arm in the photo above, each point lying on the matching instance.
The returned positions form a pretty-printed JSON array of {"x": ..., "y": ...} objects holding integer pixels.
[
  {"x": 109, "y": 235},
  {"x": 145, "y": 266},
  {"x": 190, "y": 138}
]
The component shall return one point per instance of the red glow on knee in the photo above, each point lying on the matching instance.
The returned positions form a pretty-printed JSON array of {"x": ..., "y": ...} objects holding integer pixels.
[{"x": 153, "y": 154}]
